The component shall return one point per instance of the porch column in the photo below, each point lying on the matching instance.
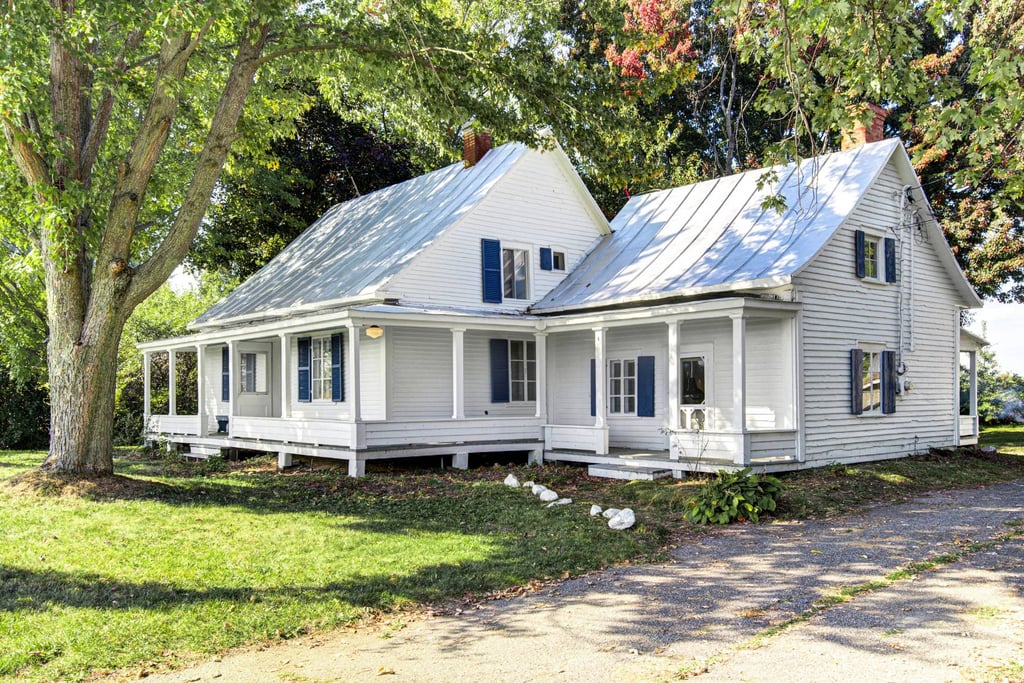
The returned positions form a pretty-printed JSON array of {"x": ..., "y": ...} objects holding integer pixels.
[
  {"x": 352, "y": 373},
  {"x": 600, "y": 379},
  {"x": 286, "y": 385},
  {"x": 973, "y": 374},
  {"x": 541, "y": 343},
  {"x": 673, "y": 375},
  {"x": 146, "y": 388},
  {"x": 458, "y": 374},
  {"x": 172, "y": 383},
  {"x": 739, "y": 383},
  {"x": 201, "y": 387},
  {"x": 233, "y": 369}
]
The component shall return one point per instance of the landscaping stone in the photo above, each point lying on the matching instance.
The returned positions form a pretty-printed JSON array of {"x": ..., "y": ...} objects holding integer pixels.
[
  {"x": 623, "y": 520},
  {"x": 560, "y": 501},
  {"x": 595, "y": 510},
  {"x": 537, "y": 489},
  {"x": 511, "y": 481},
  {"x": 611, "y": 512},
  {"x": 547, "y": 495}
]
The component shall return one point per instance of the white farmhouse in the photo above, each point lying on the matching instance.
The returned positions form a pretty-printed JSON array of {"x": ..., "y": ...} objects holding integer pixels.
[{"x": 489, "y": 306}]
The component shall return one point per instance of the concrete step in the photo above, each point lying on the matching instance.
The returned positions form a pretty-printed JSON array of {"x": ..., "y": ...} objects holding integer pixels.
[{"x": 627, "y": 472}]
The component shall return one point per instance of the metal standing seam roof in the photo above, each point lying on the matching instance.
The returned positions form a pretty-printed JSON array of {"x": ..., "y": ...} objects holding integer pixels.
[
  {"x": 355, "y": 248},
  {"x": 704, "y": 237}
]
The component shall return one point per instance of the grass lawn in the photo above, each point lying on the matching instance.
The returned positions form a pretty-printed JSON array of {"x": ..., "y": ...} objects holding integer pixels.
[
  {"x": 175, "y": 560},
  {"x": 1004, "y": 438}
]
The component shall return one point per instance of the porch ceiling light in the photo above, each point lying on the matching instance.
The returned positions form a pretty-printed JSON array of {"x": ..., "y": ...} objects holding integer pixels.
[{"x": 374, "y": 331}]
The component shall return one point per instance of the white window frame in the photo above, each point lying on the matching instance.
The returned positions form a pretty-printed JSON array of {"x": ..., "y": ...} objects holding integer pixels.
[
  {"x": 871, "y": 378},
  {"x": 516, "y": 251},
  {"x": 522, "y": 389},
  {"x": 320, "y": 385},
  {"x": 697, "y": 416},
  {"x": 876, "y": 260},
  {"x": 622, "y": 386},
  {"x": 556, "y": 256},
  {"x": 252, "y": 380}
]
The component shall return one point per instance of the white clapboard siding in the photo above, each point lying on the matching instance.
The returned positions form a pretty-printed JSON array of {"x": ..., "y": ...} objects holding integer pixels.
[
  {"x": 419, "y": 373},
  {"x": 535, "y": 205},
  {"x": 372, "y": 378},
  {"x": 477, "y": 371},
  {"x": 697, "y": 336},
  {"x": 772, "y": 444},
  {"x": 295, "y": 430},
  {"x": 840, "y": 311},
  {"x": 569, "y": 357},
  {"x": 770, "y": 377},
  {"x": 630, "y": 431}
]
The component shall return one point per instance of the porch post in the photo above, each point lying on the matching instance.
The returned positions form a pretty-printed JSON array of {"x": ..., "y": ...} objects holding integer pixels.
[
  {"x": 286, "y": 386},
  {"x": 146, "y": 389},
  {"x": 673, "y": 375},
  {"x": 201, "y": 387},
  {"x": 973, "y": 355},
  {"x": 458, "y": 374},
  {"x": 233, "y": 368},
  {"x": 739, "y": 384},
  {"x": 352, "y": 372},
  {"x": 541, "y": 344},
  {"x": 172, "y": 383},
  {"x": 600, "y": 379}
]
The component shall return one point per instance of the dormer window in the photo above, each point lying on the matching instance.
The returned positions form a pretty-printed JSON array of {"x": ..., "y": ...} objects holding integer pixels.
[{"x": 875, "y": 257}]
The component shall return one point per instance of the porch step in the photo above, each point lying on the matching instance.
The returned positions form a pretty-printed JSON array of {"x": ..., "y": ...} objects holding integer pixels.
[
  {"x": 202, "y": 451},
  {"x": 627, "y": 472}
]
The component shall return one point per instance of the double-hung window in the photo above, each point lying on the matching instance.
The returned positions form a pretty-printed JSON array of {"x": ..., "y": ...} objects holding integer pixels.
[
  {"x": 622, "y": 387},
  {"x": 513, "y": 370},
  {"x": 320, "y": 368},
  {"x": 873, "y": 380},
  {"x": 875, "y": 257},
  {"x": 515, "y": 273}
]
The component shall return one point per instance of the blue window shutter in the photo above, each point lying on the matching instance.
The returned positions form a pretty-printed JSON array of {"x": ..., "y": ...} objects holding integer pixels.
[
  {"x": 490, "y": 261},
  {"x": 856, "y": 388},
  {"x": 859, "y": 253},
  {"x": 890, "y": 259},
  {"x": 645, "y": 386},
  {"x": 499, "y": 371},
  {"x": 545, "y": 258},
  {"x": 889, "y": 380},
  {"x": 305, "y": 356},
  {"x": 337, "y": 375},
  {"x": 225, "y": 374},
  {"x": 593, "y": 387}
]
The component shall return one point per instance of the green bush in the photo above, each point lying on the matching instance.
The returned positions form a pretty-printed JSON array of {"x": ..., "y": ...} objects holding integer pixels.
[
  {"x": 24, "y": 414},
  {"x": 733, "y": 496}
]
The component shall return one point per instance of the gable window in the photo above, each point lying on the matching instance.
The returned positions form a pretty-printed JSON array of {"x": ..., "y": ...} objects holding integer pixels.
[
  {"x": 875, "y": 257},
  {"x": 551, "y": 259},
  {"x": 558, "y": 260},
  {"x": 622, "y": 387},
  {"x": 873, "y": 381},
  {"x": 254, "y": 372},
  {"x": 513, "y": 370},
  {"x": 514, "y": 267}
]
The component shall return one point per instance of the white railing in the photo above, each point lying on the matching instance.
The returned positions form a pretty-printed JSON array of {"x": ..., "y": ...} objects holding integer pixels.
[
  {"x": 968, "y": 425},
  {"x": 294, "y": 430},
  {"x": 174, "y": 424},
  {"x": 576, "y": 437},
  {"x": 381, "y": 434}
]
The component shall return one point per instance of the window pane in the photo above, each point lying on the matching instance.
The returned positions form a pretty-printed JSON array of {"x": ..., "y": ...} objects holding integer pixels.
[
  {"x": 616, "y": 405},
  {"x": 871, "y": 258},
  {"x": 691, "y": 381},
  {"x": 515, "y": 350},
  {"x": 517, "y": 391},
  {"x": 520, "y": 274},
  {"x": 629, "y": 403},
  {"x": 531, "y": 391}
]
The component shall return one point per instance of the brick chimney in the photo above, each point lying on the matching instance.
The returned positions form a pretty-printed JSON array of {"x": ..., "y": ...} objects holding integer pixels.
[
  {"x": 474, "y": 146},
  {"x": 860, "y": 132}
]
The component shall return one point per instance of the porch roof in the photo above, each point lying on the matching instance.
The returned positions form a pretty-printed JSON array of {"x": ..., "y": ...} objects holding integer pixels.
[{"x": 716, "y": 235}]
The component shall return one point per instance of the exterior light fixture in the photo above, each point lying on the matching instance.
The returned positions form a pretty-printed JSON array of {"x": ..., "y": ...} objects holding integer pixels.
[{"x": 374, "y": 331}]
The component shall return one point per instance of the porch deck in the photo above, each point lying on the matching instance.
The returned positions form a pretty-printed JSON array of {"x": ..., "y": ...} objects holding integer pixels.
[{"x": 660, "y": 460}]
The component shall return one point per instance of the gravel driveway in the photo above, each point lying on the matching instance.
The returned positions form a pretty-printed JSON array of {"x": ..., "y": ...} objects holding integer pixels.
[{"x": 744, "y": 604}]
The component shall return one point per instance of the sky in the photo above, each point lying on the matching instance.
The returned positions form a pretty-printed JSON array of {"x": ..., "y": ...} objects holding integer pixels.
[{"x": 1004, "y": 328}]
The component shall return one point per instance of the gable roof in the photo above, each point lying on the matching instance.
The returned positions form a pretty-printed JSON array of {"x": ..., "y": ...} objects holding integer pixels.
[
  {"x": 714, "y": 236},
  {"x": 354, "y": 249}
]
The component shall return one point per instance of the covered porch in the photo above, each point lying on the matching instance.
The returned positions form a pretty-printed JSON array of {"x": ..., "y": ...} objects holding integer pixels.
[
  {"x": 968, "y": 426},
  {"x": 688, "y": 387}
]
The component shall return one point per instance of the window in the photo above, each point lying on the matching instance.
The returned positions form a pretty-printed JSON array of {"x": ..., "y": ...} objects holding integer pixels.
[
  {"x": 551, "y": 260},
  {"x": 875, "y": 257},
  {"x": 558, "y": 260},
  {"x": 522, "y": 370},
  {"x": 513, "y": 370},
  {"x": 320, "y": 369},
  {"x": 873, "y": 380},
  {"x": 622, "y": 387},
  {"x": 514, "y": 267},
  {"x": 254, "y": 372},
  {"x": 695, "y": 396},
  {"x": 691, "y": 381}
]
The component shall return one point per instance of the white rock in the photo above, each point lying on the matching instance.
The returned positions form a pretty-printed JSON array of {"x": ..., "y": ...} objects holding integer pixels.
[
  {"x": 560, "y": 501},
  {"x": 547, "y": 495},
  {"x": 528, "y": 484},
  {"x": 595, "y": 510},
  {"x": 511, "y": 481},
  {"x": 623, "y": 520},
  {"x": 537, "y": 489},
  {"x": 610, "y": 512}
]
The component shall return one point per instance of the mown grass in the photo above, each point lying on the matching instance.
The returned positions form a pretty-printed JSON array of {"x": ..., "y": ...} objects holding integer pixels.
[
  {"x": 1007, "y": 439},
  {"x": 173, "y": 560}
]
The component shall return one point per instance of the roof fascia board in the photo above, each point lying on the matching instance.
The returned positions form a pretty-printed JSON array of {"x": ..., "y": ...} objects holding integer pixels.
[
  {"x": 284, "y": 313},
  {"x": 698, "y": 310}
]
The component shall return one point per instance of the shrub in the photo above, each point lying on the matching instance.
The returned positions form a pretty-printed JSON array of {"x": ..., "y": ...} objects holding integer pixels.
[{"x": 733, "y": 496}]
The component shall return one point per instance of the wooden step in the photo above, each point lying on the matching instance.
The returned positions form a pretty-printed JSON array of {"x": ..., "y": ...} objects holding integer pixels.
[{"x": 626, "y": 472}]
